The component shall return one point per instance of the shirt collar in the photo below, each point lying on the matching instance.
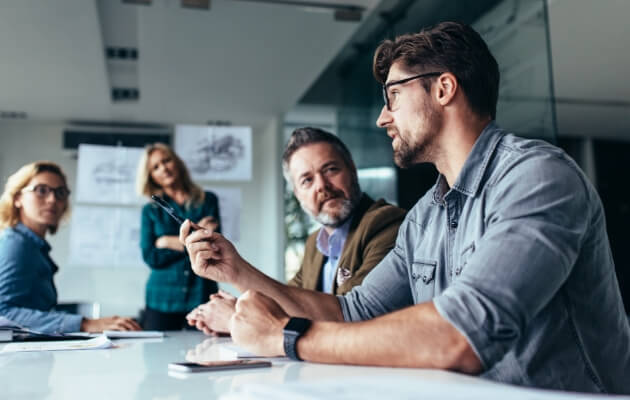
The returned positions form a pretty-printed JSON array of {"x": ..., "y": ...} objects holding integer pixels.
[
  {"x": 469, "y": 178},
  {"x": 32, "y": 236},
  {"x": 323, "y": 238}
]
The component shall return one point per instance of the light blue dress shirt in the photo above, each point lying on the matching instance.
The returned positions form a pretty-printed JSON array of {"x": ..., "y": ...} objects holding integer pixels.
[
  {"x": 331, "y": 246},
  {"x": 27, "y": 291},
  {"x": 516, "y": 257}
]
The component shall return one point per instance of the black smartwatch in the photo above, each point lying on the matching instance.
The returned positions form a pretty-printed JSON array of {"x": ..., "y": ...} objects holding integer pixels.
[{"x": 293, "y": 330}]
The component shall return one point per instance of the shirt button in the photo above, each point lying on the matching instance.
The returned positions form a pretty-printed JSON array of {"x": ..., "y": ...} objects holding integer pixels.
[
  {"x": 453, "y": 224},
  {"x": 184, "y": 290},
  {"x": 186, "y": 272}
]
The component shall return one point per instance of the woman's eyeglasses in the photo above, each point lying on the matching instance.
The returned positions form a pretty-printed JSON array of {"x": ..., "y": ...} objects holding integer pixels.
[{"x": 42, "y": 190}]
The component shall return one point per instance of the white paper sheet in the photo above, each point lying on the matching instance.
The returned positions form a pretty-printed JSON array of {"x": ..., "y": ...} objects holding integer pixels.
[
  {"x": 215, "y": 153},
  {"x": 105, "y": 236},
  {"x": 133, "y": 334},
  {"x": 230, "y": 200},
  {"x": 99, "y": 342},
  {"x": 107, "y": 174}
]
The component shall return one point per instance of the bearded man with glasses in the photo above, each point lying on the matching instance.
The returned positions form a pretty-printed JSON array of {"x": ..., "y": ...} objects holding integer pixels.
[{"x": 503, "y": 269}]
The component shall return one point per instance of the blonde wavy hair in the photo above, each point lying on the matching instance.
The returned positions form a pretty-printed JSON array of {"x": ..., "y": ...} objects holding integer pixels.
[
  {"x": 146, "y": 186},
  {"x": 9, "y": 213}
]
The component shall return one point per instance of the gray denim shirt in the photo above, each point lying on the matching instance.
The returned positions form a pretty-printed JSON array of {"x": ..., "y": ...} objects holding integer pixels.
[{"x": 516, "y": 256}]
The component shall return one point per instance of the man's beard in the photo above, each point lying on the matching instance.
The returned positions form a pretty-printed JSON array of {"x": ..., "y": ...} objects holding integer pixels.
[
  {"x": 421, "y": 151},
  {"x": 344, "y": 212}
]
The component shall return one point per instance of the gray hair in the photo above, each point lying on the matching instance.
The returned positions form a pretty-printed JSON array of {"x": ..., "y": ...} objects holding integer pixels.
[{"x": 306, "y": 136}]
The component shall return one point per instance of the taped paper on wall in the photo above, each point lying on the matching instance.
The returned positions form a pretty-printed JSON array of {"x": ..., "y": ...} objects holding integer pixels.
[
  {"x": 105, "y": 236},
  {"x": 107, "y": 174},
  {"x": 215, "y": 153}
]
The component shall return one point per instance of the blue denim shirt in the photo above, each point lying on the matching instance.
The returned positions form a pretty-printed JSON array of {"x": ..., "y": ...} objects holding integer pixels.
[
  {"x": 27, "y": 291},
  {"x": 516, "y": 257}
]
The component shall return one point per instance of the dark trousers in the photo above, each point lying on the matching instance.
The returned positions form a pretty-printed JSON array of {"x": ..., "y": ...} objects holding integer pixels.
[{"x": 153, "y": 320}]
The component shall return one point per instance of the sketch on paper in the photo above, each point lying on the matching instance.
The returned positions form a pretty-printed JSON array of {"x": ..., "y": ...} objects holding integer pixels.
[
  {"x": 215, "y": 153},
  {"x": 105, "y": 236},
  {"x": 106, "y": 174}
]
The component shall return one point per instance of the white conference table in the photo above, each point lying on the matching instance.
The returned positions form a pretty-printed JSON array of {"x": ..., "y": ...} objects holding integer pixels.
[{"x": 137, "y": 369}]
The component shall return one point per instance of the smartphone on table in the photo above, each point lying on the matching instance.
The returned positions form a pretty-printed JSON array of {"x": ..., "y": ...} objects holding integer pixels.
[{"x": 217, "y": 365}]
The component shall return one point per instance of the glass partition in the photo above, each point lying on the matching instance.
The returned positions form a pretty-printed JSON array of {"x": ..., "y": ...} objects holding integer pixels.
[{"x": 517, "y": 34}]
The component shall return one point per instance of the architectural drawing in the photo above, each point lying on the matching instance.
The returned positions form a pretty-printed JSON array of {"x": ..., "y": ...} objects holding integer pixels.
[
  {"x": 215, "y": 153},
  {"x": 106, "y": 175},
  {"x": 103, "y": 236}
]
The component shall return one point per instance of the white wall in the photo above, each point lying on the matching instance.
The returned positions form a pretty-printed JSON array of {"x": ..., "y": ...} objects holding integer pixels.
[{"x": 121, "y": 290}]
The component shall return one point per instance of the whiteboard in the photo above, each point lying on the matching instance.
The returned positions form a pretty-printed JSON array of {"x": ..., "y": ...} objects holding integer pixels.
[
  {"x": 105, "y": 236},
  {"x": 107, "y": 174}
]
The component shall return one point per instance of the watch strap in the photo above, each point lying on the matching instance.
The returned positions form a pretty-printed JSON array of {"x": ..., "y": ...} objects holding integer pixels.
[{"x": 291, "y": 336}]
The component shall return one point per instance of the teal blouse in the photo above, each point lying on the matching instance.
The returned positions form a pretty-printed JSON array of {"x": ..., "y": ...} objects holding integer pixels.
[{"x": 172, "y": 286}]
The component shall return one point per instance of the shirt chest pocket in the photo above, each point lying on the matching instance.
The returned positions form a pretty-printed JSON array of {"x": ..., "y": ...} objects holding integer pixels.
[{"x": 423, "y": 276}]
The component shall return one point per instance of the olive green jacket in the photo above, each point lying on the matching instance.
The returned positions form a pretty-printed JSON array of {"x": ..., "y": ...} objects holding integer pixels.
[{"x": 371, "y": 236}]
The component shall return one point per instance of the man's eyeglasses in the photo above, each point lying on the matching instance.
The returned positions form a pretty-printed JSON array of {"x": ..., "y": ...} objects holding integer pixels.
[
  {"x": 42, "y": 190},
  {"x": 388, "y": 102}
]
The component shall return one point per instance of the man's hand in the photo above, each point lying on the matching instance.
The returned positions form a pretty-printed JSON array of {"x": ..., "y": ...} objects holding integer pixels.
[
  {"x": 258, "y": 323},
  {"x": 214, "y": 316},
  {"x": 211, "y": 255},
  {"x": 209, "y": 223},
  {"x": 194, "y": 318},
  {"x": 109, "y": 324}
]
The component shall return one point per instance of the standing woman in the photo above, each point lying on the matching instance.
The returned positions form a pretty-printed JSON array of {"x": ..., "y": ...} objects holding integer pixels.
[
  {"x": 34, "y": 200},
  {"x": 172, "y": 289}
]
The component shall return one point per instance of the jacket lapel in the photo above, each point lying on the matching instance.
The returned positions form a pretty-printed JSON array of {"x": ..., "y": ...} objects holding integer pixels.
[
  {"x": 311, "y": 273},
  {"x": 348, "y": 248}
]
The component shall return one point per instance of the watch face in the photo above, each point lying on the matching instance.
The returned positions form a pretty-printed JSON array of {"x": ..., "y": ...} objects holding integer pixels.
[{"x": 297, "y": 325}]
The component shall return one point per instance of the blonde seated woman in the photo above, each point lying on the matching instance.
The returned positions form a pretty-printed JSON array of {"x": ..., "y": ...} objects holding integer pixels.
[{"x": 34, "y": 200}]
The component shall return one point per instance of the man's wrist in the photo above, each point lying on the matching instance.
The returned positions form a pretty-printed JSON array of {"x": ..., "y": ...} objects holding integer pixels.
[
  {"x": 280, "y": 342},
  {"x": 245, "y": 276},
  {"x": 85, "y": 322},
  {"x": 293, "y": 330}
]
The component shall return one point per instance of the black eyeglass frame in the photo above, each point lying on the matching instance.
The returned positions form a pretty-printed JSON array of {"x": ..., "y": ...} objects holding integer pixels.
[
  {"x": 61, "y": 193},
  {"x": 401, "y": 81}
]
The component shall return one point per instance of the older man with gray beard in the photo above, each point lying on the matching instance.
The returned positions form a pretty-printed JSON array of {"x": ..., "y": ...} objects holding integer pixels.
[{"x": 356, "y": 233}]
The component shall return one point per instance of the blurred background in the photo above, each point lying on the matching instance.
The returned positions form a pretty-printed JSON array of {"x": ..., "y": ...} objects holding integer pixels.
[{"x": 128, "y": 72}]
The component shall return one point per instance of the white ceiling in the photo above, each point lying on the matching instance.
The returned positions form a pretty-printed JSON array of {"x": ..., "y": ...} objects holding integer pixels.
[
  {"x": 239, "y": 61},
  {"x": 245, "y": 62}
]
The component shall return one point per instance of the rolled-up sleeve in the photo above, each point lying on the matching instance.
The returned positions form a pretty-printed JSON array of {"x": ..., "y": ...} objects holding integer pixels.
[
  {"x": 534, "y": 229},
  {"x": 41, "y": 321}
]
